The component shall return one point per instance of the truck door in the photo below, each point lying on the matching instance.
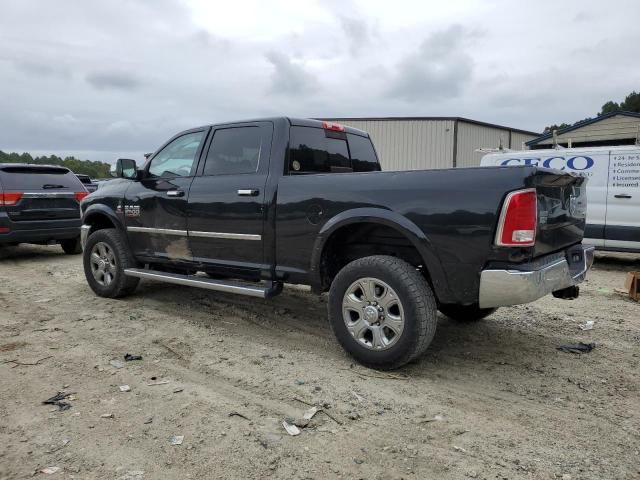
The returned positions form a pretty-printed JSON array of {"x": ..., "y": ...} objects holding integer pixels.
[
  {"x": 623, "y": 200},
  {"x": 226, "y": 200},
  {"x": 155, "y": 207}
]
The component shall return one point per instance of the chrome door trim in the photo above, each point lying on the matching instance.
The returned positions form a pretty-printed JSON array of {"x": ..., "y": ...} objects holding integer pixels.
[
  {"x": 159, "y": 231},
  {"x": 228, "y": 236}
]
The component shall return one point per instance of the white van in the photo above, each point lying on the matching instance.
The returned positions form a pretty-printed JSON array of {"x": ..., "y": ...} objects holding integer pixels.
[{"x": 613, "y": 189}]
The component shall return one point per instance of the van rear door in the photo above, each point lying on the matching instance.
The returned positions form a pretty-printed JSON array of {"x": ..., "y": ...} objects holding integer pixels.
[{"x": 622, "y": 230}]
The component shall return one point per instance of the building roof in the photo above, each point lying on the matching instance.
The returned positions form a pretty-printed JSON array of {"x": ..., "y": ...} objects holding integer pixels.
[
  {"x": 460, "y": 119},
  {"x": 584, "y": 123}
]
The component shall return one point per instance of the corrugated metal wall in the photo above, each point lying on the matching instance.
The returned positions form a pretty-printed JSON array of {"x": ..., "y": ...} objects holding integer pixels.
[
  {"x": 471, "y": 137},
  {"x": 410, "y": 144},
  {"x": 418, "y": 144}
]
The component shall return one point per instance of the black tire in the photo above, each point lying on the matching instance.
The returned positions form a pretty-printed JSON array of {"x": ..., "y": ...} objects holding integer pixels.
[
  {"x": 120, "y": 285},
  {"x": 466, "y": 313},
  {"x": 415, "y": 297},
  {"x": 71, "y": 246}
]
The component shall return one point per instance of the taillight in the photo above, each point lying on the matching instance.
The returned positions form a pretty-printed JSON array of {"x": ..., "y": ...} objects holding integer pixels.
[
  {"x": 81, "y": 195},
  {"x": 334, "y": 127},
  {"x": 10, "y": 198},
  {"x": 518, "y": 220}
]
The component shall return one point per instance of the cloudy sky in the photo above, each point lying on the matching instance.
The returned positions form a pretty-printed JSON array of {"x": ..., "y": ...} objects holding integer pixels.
[{"x": 103, "y": 79}]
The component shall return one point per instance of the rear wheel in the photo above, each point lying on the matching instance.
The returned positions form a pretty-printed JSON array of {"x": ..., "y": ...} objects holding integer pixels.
[
  {"x": 71, "y": 246},
  {"x": 382, "y": 311},
  {"x": 466, "y": 313},
  {"x": 105, "y": 259}
]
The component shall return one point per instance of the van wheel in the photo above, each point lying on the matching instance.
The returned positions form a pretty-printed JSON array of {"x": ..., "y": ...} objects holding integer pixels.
[
  {"x": 382, "y": 311},
  {"x": 466, "y": 313},
  {"x": 105, "y": 258},
  {"x": 71, "y": 246}
]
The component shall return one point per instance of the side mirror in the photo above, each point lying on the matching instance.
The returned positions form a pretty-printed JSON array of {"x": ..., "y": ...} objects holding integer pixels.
[{"x": 126, "y": 168}]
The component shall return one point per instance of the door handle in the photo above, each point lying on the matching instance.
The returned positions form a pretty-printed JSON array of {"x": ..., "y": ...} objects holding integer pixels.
[
  {"x": 175, "y": 193},
  {"x": 248, "y": 192},
  {"x": 622, "y": 195}
]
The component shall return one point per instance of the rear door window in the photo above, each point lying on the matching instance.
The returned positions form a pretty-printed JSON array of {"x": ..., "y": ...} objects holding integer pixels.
[
  {"x": 315, "y": 150},
  {"x": 25, "y": 178},
  {"x": 234, "y": 151}
]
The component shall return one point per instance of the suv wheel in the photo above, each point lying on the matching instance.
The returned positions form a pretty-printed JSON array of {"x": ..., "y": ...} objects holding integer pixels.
[
  {"x": 71, "y": 246},
  {"x": 466, "y": 313},
  {"x": 105, "y": 258},
  {"x": 382, "y": 311}
]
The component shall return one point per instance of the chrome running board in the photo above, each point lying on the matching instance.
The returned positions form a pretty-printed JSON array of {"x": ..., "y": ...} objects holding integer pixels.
[{"x": 209, "y": 284}]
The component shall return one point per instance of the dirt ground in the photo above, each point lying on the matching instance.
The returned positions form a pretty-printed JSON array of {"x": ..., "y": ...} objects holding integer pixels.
[{"x": 493, "y": 400}]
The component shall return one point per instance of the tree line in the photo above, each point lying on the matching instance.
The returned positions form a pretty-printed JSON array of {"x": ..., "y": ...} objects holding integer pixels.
[
  {"x": 88, "y": 167},
  {"x": 631, "y": 103}
]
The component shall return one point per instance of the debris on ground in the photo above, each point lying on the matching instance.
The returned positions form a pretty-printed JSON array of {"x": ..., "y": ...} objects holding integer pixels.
[
  {"x": 588, "y": 325},
  {"x": 130, "y": 358},
  {"x": 178, "y": 390},
  {"x": 238, "y": 414},
  {"x": 632, "y": 285},
  {"x": 57, "y": 400},
  {"x": 148, "y": 421},
  {"x": 358, "y": 397},
  {"x": 577, "y": 347},
  {"x": 176, "y": 440},
  {"x": 116, "y": 363},
  {"x": 106, "y": 415},
  {"x": 289, "y": 426},
  {"x": 159, "y": 382},
  {"x": 306, "y": 417},
  {"x": 124, "y": 388},
  {"x": 436, "y": 418},
  {"x": 50, "y": 470},
  {"x": 459, "y": 449}
]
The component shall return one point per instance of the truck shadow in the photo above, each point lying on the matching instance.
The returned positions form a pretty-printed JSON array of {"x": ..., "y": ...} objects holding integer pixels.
[
  {"x": 617, "y": 261},
  {"x": 30, "y": 252},
  {"x": 489, "y": 342}
]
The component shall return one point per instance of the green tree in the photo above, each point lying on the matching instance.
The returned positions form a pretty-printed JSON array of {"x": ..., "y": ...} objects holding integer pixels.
[
  {"x": 631, "y": 102},
  {"x": 92, "y": 168}
]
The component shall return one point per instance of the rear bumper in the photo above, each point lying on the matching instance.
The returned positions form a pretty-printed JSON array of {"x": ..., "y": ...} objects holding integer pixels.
[
  {"x": 501, "y": 287},
  {"x": 37, "y": 231}
]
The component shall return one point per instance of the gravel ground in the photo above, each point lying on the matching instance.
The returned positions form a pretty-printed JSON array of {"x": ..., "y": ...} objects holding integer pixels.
[{"x": 493, "y": 400}]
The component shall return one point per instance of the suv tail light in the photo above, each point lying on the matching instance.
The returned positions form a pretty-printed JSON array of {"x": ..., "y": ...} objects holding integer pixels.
[
  {"x": 518, "y": 220},
  {"x": 81, "y": 195},
  {"x": 10, "y": 198},
  {"x": 334, "y": 127}
]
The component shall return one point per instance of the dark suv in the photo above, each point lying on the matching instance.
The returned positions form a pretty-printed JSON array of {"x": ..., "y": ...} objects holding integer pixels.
[{"x": 40, "y": 204}]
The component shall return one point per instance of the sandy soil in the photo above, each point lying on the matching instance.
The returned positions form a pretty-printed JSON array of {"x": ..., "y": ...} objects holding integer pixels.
[{"x": 492, "y": 400}]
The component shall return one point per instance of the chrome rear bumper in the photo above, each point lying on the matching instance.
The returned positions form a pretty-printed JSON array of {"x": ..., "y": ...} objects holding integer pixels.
[{"x": 513, "y": 287}]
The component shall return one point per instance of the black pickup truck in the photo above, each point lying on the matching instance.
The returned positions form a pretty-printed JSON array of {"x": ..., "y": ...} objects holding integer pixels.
[{"x": 245, "y": 207}]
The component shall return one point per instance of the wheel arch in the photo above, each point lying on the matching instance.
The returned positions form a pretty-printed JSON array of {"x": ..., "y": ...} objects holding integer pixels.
[
  {"x": 99, "y": 217},
  {"x": 387, "y": 219}
]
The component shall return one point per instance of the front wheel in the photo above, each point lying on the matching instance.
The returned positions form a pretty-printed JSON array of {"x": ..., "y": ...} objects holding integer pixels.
[
  {"x": 382, "y": 311},
  {"x": 466, "y": 313},
  {"x": 105, "y": 258}
]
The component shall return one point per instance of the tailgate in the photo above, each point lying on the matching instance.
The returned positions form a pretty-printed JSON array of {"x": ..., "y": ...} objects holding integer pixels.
[
  {"x": 44, "y": 193},
  {"x": 562, "y": 208}
]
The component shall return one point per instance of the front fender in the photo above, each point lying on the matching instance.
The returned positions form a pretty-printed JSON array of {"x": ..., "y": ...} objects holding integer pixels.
[
  {"x": 98, "y": 209},
  {"x": 390, "y": 219}
]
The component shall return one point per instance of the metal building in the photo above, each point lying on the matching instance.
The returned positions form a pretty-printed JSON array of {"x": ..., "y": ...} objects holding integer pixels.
[
  {"x": 414, "y": 143},
  {"x": 616, "y": 128}
]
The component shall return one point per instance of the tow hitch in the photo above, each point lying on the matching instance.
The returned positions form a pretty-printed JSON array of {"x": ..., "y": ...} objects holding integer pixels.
[{"x": 569, "y": 293}]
